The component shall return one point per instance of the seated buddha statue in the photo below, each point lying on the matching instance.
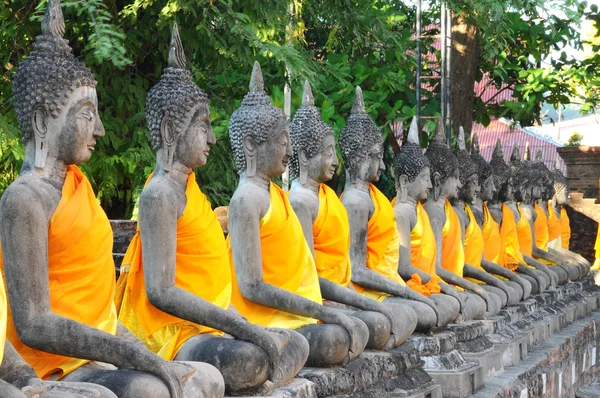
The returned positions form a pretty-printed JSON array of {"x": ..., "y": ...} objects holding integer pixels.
[
  {"x": 417, "y": 242},
  {"x": 448, "y": 231},
  {"x": 493, "y": 247},
  {"x": 374, "y": 237},
  {"x": 325, "y": 225},
  {"x": 176, "y": 277},
  {"x": 559, "y": 201},
  {"x": 472, "y": 232},
  {"x": 275, "y": 282},
  {"x": 57, "y": 241}
]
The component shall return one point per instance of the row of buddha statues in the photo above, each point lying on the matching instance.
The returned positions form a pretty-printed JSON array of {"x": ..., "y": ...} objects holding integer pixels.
[{"x": 304, "y": 278}]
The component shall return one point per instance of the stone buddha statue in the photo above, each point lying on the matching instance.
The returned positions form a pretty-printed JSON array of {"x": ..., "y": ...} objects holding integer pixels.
[
  {"x": 417, "y": 263},
  {"x": 374, "y": 238},
  {"x": 57, "y": 241},
  {"x": 274, "y": 278},
  {"x": 493, "y": 248},
  {"x": 448, "y": 231},
  {"x": 476, "y": 267},
  {"x": 176, "y": 276},
  {"x": 525, "y": 180},
  {"x": 325, "y": 225}
]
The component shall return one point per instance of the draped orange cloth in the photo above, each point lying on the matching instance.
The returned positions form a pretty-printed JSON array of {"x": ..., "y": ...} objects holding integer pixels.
[
  {"x": 202, "y": 268},
  {"x": 453, "y": 253},
  {"x": 524, "y": 233},
  {"x": 554, "y": 227},
  {"x": 511, "y": 256},
  {"x": 565, "y": 228},
  {"x": 383, "y": 243},
  {"x": 81, "y": 271},
  {"x": 541, "y": 228},
  {"x": 287, "y": 263},
  {"x": 473, "y": 243},
  {"x": 3, "y": 317},
  {"x": 422, "y": 254},
  {"x": 492, "y": 241},
  {"x": 331, "y": 237},
  {"x": 596, "y": 264}
]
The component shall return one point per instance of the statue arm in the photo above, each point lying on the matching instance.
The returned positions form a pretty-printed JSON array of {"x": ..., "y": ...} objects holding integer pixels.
[
  {"x": 14, "y": 370},
  {"x": 302, "y": 207},
  {"x": 29, "y": 294},
  {"x": 404, "y": 225},
  {"x": 499, "y": 270},
  {"x": 475, "y": 273}
]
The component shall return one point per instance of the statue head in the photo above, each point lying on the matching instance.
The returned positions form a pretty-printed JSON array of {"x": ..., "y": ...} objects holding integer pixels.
[
  {"x": 502, "y": 173},
  {"x": 411, "y": 168},
  {"x": 55, "y": 98},
  {"x": 361, "y": 144},
  {"x": 523, "y": 176},
  {"x": 258, "y": 132},
  {"x": 177, "y": 114},
  {"x": 561, "y": 189},
  {"x": 487, "y": 188},
  {"x": 314, "y": 156},
  {"x": 467, "y": 170},
  {"x": 444, "y": 166},
  {"x": 544, "y": 176}
]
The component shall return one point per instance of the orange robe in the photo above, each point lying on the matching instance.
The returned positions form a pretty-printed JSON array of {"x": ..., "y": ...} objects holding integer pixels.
[
  {"x": 554, "y": 229},
  {"x": 541, "y": 228},
  {"x": 473, "y": 243},
  {"x": 287, "y": 263},
  {"x": 565, "y": 228},
  {"x": 3, "y": 317},
  {"x": 331, "y": 237},
  {"x": 511, "y": 256},
  {"x": 81, "y": 271},
  {"x": 453, "y": 252},
  {"x": 202, "y": 268},
  {"x": 492, "y": 241},
  {"x": 422, "y": 254},
  {"x": 524, "y": 233}
]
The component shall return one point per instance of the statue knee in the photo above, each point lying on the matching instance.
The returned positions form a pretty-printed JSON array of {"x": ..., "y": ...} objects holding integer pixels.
[
  {"x": 448, "y": 306},
  {"x": 379, "y": 328},
  {"x": 143, "y": 385},
  {"x": 501, "y": 294},
  {"x": 476, "y": 306},
  {"x": 561, "y": 274},
  {"x": 406, "y": 322},
  {"x": 330, "y": 344},
  {"x": 496, "y": 304},
  {"x": 516, "y": 292},
  {"x": 426, "y": 317},
  {"x": 527, "y": 288},
  {"x": 243, "y": 365},
  {"x": 533, "y": 282}
]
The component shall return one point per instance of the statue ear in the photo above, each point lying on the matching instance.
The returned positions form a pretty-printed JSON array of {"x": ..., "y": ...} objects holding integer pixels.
[
  {"x": 167, "y": 132},
  {"x": 303, "y": 166},
  {"x": 250, "y": 149},
  {"x": 403, "y": 188},
  {"x": 436, "y": 185},
  {"x": 39, "y": 122}
]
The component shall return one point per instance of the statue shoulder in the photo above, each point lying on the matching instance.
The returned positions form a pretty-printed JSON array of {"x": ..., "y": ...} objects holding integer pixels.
[
  {"x": 405, "y": 213},
  {"x": 357, "y": 201},
  {"x": 31, "y": 197},
  {"x": 160, "y": 194},
  {"x": 304, "y": 201},
  {"x": 249, "y": 200}
]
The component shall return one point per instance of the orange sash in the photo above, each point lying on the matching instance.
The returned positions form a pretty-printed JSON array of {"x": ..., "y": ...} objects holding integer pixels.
[
  {"x": 3, "y": 316},
  {"x": 597, "y": 245},
  {"x": 81, "y": 271},
  {"x": 453, "y": 252},
  {"x": 473, "y": 243},
  {"x": 492, "y": 241},
  {"x": 524, "y": 233},
  {"x": 511, "y": 256},
  {"x": 553, "y": 224},
  {"x": 287, "y": 263},
  {"x": 422, "y": 254},
  {"x": 331, "y": 234},
  {"x": 541, "y": 228},
  {"x": 202, "y": 268},
  {"x": 565, "y": 228}
]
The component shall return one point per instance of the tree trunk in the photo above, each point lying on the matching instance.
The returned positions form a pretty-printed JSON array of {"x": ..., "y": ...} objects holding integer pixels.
[{"x": 465, "y": 57}]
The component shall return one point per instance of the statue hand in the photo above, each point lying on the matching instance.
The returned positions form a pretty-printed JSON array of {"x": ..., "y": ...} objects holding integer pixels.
[
  {"x": 450, "y": 290},
  {"x": 395, "y": 329},
  {"x": 272, "y": 341},
  {"x": 173, "y": 374},
  {"x": 344, "y": 321},
  {"x": 484, "y": 295}
]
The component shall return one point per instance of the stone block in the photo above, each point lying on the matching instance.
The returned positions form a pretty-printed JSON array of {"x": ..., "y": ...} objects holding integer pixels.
[
  {"x": 459, "y": 383},
  {"x": 490, "y": 361},
  {"x": 297, "y": 388},
  {"x": 435, "y": 344}
]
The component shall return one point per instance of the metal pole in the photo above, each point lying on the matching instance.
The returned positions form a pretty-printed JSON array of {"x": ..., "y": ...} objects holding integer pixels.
[
  {"x": 287, "y": 97},
  {"x": 419, "y": 60},
  {"x": 448, "y": 61},
  {"x": 443, "y": 83}
]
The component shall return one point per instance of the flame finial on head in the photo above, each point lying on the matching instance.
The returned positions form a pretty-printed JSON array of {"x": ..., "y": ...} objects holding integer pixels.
[
  {"x": 462, "y": 145},
  {"x": 256, "y": 80},
  {"x": 498, "y": 152},
  {"x": 475, "y": 144},
  {"x": 527, "y": 154},
  {"x": 176, "y": 54},
  {"x": 515, "y": 156},
  {"x": 413, "y": 132},
  {"x": 439, "y": 136},
  {"x": 54, "y": 22},
  {"x": 539, "y": 156},
  {"x": 359, "y": 104},
  {"x": 307, "y": 95}
]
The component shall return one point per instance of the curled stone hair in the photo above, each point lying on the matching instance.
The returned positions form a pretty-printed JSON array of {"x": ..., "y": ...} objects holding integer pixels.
[
  {"x": 50, "y": 73},
  {"x": 307, "y": 130},
  {"x": 174, "y": 95},
  {"x": 257, "y": 117},
  {"x": 410, "y": 161},
  {"x": 466, "y": 167},
  {"x": 441, "y": 157},
  {"x": 483, "y": 168},
  {"x": 501, "y": 171},
  {"x": 358, "y": 135}
]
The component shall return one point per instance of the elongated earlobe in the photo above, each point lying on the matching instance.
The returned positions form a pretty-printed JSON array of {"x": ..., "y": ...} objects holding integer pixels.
[
  {"x": 168, "y": 138},
  {"x": 40, "y": 136}
]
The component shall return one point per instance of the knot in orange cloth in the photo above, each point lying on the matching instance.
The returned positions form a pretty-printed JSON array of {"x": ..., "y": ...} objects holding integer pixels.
[
  {"x": 492, "y": 241},
  {"x": 524, "y": 233},
  {"x": 331, "y": 235},
  {"x": 511, "y": 256},
  {"x": 202, "y": 268},
  {"x": 3, "y": 316},
  {"x": 422, "y": 254},
  {"x": 453, "y": 252},
  {"x": 565, "y": 228},
  {"x": 287, "y": 263},
  {"x": 81, "y": 271},
  {"x": 553, "y": 225},
  {"x": 541, "y": 228}
]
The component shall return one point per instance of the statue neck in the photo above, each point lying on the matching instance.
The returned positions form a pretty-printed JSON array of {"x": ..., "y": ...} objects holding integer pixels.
[
  {"x": 459, "y": 203},
  {"x": 54, "y": 169},
  {"x": 357, "y": 183},
  {"x": 409, "y": 200},
  {"x": 177, "y": 173},
  {"x": 310, "y": 185},
  {"x": 259, "y": 179}
]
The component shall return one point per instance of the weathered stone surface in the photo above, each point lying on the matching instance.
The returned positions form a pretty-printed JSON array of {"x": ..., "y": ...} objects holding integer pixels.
[
  {"x": 436, "y": 344},
  {"x": 297, "y": 388}
]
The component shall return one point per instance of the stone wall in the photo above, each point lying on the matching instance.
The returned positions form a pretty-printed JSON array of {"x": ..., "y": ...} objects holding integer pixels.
[
  {"x": 583, "y": 169},
  {"x": 583, "y": 234}
]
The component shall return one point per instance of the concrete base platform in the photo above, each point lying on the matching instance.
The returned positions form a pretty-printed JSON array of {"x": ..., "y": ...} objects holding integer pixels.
[
  {"x": 459, "y": 383},
  {"x": 297, "y": 388},
  {"x": 513, "y": 352}
]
